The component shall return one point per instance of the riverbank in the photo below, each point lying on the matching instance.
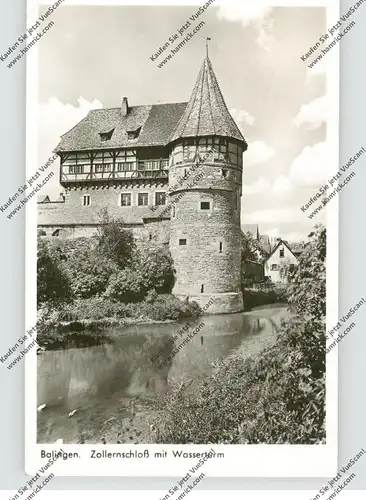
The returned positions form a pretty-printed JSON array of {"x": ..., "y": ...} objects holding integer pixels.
[
  {"x": 80, "y": 323},
  {"x": 116, "y": 389}
]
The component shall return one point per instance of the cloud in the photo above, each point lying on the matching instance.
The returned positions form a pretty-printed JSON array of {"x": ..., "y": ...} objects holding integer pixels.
[
  {"x": 274, "y": 215},
  {"x": 241, "y": 116},
  {"x": 318, "y": 70},
  {"x": 312, "y": 166},
  {"x": 258, "y": 152},
  {"x": 312, "y": 115},
  {"x": 250, "y": 13},
  {"x": 282, "y": 185},
  {"x": 260, "y": 186},
  {"x": 56, "y": 118}
]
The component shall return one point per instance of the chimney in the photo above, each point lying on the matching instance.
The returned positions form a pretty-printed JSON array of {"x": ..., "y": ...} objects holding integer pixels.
[{"x": 124, "y": 106}]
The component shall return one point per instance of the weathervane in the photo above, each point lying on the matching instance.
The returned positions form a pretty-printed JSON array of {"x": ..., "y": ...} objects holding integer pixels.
[{"x": 207, "y": 40}]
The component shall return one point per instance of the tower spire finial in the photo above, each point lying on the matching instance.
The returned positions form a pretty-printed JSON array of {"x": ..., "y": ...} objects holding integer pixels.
[{"x": 207, "y": 40}]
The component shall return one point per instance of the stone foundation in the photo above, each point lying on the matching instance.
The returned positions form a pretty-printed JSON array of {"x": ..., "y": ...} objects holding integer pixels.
[{"x": 219, "y": 303}]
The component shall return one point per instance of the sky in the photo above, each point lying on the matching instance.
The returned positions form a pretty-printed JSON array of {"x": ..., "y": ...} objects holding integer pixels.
[{"x": 94, "y": 55}]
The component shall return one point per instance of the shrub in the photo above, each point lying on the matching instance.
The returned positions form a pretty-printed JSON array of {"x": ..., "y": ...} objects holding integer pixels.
[
  {"x": 156, "y": 267},
  {"x": 114, "y": 240},
  {"x": 164, "y": 307},
  {"x": 125, "y": 286},
  {"x": 94, "y": 308},
  {"x": 264, "y": 293},
  {"x": 88, "y": 272},
  {"x": 53, "y": 285}
]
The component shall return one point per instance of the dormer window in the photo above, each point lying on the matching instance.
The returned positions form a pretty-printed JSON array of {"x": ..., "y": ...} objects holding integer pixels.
[
  {"x": 133, "y": 134},
  {"x": 106, "y": 135}
]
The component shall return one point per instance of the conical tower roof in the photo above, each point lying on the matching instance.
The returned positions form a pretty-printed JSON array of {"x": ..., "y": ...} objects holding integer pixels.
[{"x": 206, "y": 112}]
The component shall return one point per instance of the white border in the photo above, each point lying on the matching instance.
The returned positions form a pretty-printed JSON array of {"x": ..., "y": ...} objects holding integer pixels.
[{"x": 241, "y": 461}]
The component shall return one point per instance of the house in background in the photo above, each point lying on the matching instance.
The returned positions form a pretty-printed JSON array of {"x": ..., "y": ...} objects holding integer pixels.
[{"x": 282, "y": 253}]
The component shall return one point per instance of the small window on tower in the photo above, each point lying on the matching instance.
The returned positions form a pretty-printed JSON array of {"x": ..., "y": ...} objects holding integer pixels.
[
  {"x": 220, "y": 247},
  {"x": 205, "y": 205},
  {"x": 182, "y": 241},
  {"x": 86, "y": 200},
  {"x": 224, "y": 173},
  {"x": 173, "y": 211},
  {"x": 202, "y": 288}
]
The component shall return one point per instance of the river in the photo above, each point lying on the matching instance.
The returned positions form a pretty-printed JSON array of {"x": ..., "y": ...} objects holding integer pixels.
[{"x": 111, "y": 389}]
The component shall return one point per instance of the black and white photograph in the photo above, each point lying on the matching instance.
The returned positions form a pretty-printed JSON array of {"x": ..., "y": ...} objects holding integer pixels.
[{"x": 181, "y": 205}]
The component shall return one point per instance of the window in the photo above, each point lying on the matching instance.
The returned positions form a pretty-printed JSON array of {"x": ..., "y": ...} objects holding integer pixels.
[
  {"x": 160, "y": 198},
  {"x": 291, "y": 267},
  {"x": 202, "y": 288},
  {"x": 125, "y": 166},
  {"x": 76, "y": 169},
  {"x": 86, "y": 200},
  {"x": 273, "y": 267},
  {"x": 182, "y": 241},
  {"x": 224, "y": 173},
  {"x": 282, "y": 252},
  {"x": 205, "y": 205},
  {"x": 106, "y": 136},
  {"x": 220, "y": 247},
  {"x": 125, "y": 199},
  {"x": 143, "y": 199},
  {"x": 133, "y": 134},
  {"x": 173, "y": 211},
  {"x": 102, "y": 167}
]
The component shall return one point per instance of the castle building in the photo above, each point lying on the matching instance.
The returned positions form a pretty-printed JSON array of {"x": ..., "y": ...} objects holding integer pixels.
[{"x": 173, "y": 173}]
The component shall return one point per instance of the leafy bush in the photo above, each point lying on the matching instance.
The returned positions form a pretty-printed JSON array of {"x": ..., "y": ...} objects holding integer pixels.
[
  {"x": 94, "y": 308},
  {"x": 88, "y": 272},
  {"x": 264, "y": 293},
  {"x": 156, "y": 267},
  {"x": 114, "y": 240},
  {"x": 163, "y": 307},
  {"x": 155, "y": 307},
  {"x": 53, "y": 285},
  {"x": 276, "y": 397},
  {"x": 125, "y": 286}
]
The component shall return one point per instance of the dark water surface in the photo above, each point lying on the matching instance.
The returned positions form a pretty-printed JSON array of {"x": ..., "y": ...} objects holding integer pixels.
[{"x": 116, "y": 383}]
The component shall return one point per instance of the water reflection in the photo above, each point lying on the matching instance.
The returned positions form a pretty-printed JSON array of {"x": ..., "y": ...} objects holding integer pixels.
[{"x": 103, "y": 376}]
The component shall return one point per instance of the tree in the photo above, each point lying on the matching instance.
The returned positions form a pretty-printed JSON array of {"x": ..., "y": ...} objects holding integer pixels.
[
  {"x": 275, "y": 397},
  {"x": 125, "y": 286},
  {"x": 250, "y": 248},
  {"x": 307, "y": 288},
  {"x": 53, "y": 285},
  {"x": 156, "y": 267},
  {"x": 88, "y": 270},
  {"x": 114, "y": 240}
]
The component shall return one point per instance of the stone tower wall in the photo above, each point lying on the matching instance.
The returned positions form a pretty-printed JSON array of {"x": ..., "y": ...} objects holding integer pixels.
[{"x": 208, "y": 265}]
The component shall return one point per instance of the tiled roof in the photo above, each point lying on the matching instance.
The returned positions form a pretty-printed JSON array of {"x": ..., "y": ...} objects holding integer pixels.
[
  {"x": 61, "y": 214},
  {"x": 297, "y": 248},
  {"x": 206, "y": 112},
  {"x": 157, "y": 123}
]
